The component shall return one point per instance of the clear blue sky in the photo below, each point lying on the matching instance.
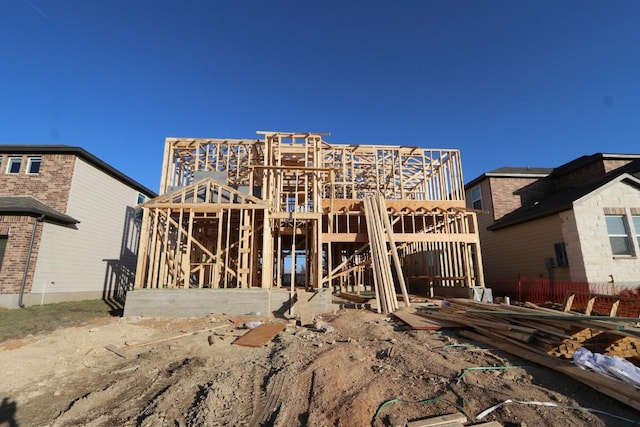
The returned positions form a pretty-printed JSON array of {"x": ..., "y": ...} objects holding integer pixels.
[{"x": 509, "y": 83}]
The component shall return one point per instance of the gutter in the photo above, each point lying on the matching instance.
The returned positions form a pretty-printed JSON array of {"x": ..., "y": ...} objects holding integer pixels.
[{"x": 28, "y": 260}]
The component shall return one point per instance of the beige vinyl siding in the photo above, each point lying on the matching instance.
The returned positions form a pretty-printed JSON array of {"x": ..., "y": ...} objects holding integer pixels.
[
  {"x": 522, "y": 249},
  {"x": 594, "y": 239},
  {"x": 80, "y": 260},
  {"x": 573, "y": 246}
]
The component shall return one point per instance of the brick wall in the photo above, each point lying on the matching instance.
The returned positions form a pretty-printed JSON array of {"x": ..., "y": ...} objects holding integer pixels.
[
  {"x": 610, "y": 165},
  {"x": 50, "y": 186},
  {"x": 588, "y": 173},
  {"x": 508, "y": 194},
  {"x": 19, "y": 229}
]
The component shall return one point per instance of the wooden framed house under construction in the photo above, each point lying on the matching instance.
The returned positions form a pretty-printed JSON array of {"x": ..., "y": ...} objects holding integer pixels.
[{"x": 290, "y": 210}]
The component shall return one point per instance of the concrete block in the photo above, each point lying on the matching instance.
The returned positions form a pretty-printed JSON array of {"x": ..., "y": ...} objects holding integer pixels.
[{"x": 201, "y": 302}]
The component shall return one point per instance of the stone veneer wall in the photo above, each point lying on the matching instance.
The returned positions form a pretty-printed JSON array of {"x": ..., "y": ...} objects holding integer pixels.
[{"x": 594, "y": 240}]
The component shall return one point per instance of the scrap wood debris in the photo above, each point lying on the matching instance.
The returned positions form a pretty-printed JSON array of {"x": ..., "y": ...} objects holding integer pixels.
[
  {"x": 548, "y": 337},
  {"x": 260, "y": 335},
  {"x": 121, "y": 351}
]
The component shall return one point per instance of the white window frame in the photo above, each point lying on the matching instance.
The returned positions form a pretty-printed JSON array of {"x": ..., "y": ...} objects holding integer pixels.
[
  {"x": 10, "y": 162},
  {"x": 626, "y": 235},
  {"x": 475, "y": 199},
  {"x": 635, "y": 221},
  {"x": 30, "y": 162}
]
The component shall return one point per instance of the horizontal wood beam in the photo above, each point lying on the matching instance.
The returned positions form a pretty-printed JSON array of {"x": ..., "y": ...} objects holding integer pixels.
[
  {"x": 206, "y": 207},
  {"x": 302, "y": 168},
  {"x": 296, "y": 215},
  {"x": 403, "y": 237},
  {"x": 352, "y": 205}
]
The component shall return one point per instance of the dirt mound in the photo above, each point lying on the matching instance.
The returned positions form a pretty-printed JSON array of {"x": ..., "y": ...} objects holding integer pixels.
[{"x": 368, "y": 370}]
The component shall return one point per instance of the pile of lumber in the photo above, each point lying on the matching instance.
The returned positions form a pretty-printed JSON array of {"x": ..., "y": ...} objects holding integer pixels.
[
  {"x": 380, "y": 233},
  {"x": 549, "y": 337}
]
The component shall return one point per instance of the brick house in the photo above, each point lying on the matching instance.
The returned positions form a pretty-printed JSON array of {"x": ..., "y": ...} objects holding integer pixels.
[
  {"x": 578, "y": 222},
  {"x": 68, "y": 226}
]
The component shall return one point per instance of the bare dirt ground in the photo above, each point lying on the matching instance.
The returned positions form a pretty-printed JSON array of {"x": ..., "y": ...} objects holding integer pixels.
[{"x": 303, "y": 377}]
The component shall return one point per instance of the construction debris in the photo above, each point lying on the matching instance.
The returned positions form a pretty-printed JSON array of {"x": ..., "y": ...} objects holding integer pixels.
[
  {"x": 542, "y": 335},
  {"x": 121, "y": 351},
  {"x": 260, "y": 335},
  {"x": 442, "y": 420},
  {"x": 420, "y": 323}
]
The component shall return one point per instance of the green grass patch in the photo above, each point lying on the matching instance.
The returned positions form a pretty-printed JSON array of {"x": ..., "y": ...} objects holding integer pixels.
[{"x": 21, "y": 322}]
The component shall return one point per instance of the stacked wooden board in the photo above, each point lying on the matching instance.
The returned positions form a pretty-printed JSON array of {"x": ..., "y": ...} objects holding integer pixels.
[
  {"x": 380, "y": 233},
  {"x": 548, "y": 337},
  {"x": 420, "y": 323}
]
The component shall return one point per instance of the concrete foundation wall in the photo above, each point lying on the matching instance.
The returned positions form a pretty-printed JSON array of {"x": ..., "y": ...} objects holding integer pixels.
[
  {"x": 201, "y": 302},
  {"x": 477, "y": 293}
]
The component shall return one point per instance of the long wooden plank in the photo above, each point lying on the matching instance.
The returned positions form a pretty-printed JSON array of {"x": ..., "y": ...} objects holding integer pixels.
[
  {"x": 618, "y": 390},
  {"x": 355, "y": 298},
  {"x": 422, "y": 324},
  {"x": 120, "y": 351},
  {"x": 377, "y": 281},
  {"x": 440, "y": 421},
  {"x": 553, "y": 316},
  {"x": 260, "y": 335},
  {"x": 394, "y": 249}
]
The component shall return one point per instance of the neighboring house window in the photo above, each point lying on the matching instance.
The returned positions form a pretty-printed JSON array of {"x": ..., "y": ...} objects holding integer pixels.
[
  {"x": 561, "y": 254},
  {"x": 3, "y": 247},
  {"x": 476, "y": 198},
  {"x": 33, "y": 165},
  {"x": 13, "y": 165},
  {"x": 636, "y": 225},
  {"x": 618, "y": 234},
  {"x": 138, "y": 212}
]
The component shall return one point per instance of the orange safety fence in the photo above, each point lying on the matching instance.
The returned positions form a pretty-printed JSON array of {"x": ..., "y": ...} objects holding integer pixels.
[{"x": 541, "y": 290}]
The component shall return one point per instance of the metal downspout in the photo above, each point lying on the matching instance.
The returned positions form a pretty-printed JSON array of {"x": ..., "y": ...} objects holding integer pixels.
[{"x": 28, "y": 260}]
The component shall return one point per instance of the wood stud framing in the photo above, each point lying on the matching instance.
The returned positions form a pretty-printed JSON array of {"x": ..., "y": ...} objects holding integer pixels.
[{"x": 290, "y": 210}]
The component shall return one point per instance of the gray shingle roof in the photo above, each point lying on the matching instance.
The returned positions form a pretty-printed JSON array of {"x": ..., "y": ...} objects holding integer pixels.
[
  {"x": 29, "y": 205},
  {"x": 562, "y": 200},
  {"x": 83, "y": 154},
  {"x": 510, "y": 171}
]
